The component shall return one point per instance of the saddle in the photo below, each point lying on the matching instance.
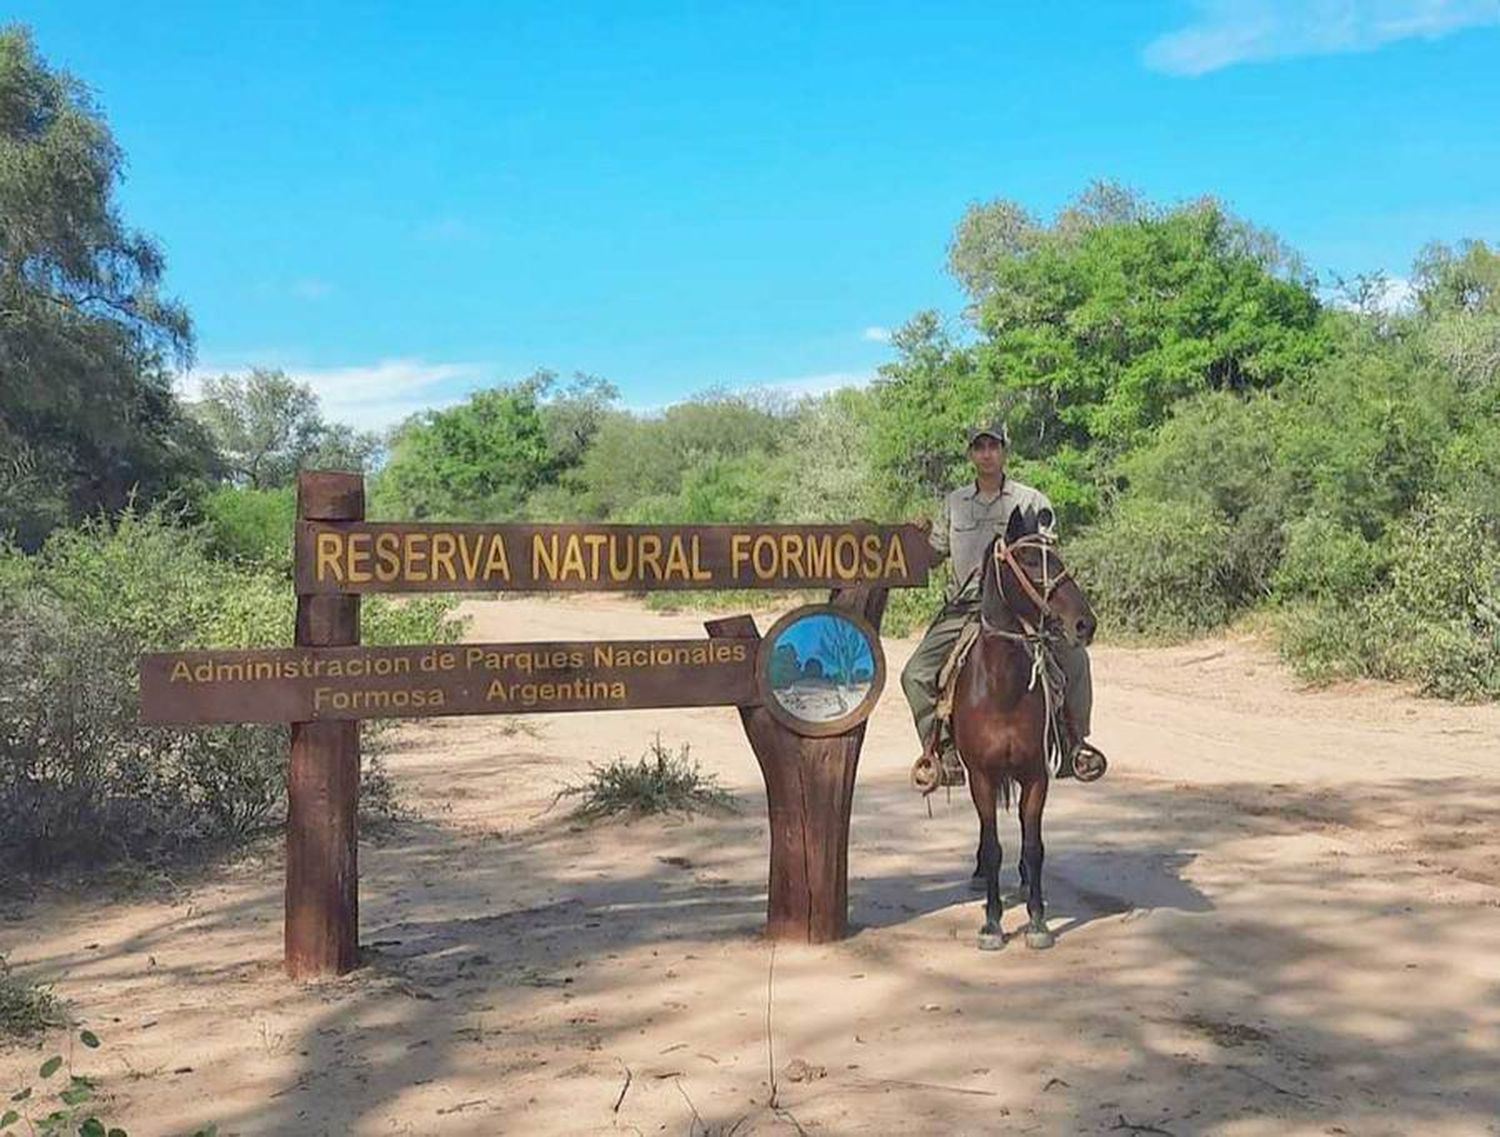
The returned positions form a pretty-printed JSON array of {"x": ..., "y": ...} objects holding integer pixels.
[{"x": 940, "y": 764}]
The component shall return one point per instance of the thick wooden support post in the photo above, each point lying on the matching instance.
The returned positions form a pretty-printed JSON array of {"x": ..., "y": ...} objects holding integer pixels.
[
  {"x": 322, "y": 834},
  {"x": 810, "y": 792}
]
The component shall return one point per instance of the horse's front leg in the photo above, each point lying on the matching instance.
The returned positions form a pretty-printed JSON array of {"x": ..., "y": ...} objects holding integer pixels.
[
  {"x": 1033, "y": 801},
  {"x": 982, "y": 790}
]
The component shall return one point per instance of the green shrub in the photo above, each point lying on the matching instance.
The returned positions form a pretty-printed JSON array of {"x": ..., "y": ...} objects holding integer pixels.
[
  {"x": 1324, "y": 560},
  {"x": 255, "y": 526},
  {"x": 1156, "y": 569},
  {"x": 26, "y": 1008},
  {"x": 909, "y": 610},
  {"x": 658, "y": 782},
  {"x": 81, "y": 781},
  {"x": 1435, "y": 619}
]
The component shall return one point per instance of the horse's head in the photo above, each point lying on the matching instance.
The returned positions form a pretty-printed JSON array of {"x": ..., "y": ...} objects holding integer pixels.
[{"x": 1024, "y": 574}]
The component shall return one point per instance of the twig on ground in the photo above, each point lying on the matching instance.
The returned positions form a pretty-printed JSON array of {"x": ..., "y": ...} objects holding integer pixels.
[
  {"x": 770, "y": 1045},
  {"x": 623, "y": 1089},
  {"x": 928, "y": 1086},
  {"x": 697, "y": 1118},
  {"x": 1137, "y": 1127}
]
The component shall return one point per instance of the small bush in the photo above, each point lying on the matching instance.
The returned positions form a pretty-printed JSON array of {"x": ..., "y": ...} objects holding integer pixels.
[
  {"x": 81, "y": 781},
  {"x": 1156, "y": 569},
  {"x": 1324, "y": 560},
  {"x": 909, "y": 610},
  {"x": 658, "y": 782},
  {"x": 1434, "y": 620},
  {"x": 26, "y": 1008},
  {"x": 254, "y": 526}
]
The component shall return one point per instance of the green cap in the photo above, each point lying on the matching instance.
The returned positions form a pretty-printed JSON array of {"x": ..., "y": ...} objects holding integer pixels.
[{"x": 995, "y": 430}]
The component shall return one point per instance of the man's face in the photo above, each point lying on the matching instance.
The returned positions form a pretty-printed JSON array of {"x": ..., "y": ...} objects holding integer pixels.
[{"x": 987, "y": 455}]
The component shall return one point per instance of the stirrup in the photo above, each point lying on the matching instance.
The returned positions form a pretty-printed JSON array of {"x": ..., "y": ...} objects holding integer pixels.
[
  {"x": 929, "y": 773},
  {"x": 1088, "y": 762}
]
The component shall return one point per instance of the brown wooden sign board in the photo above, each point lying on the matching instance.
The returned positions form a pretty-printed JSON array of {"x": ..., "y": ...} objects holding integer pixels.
[
  {"x": 343, "y": 683},
  {"x": 355, "y": 557}
]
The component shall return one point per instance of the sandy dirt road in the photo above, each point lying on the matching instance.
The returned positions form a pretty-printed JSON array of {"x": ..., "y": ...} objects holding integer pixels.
[{"x": 1280, "y": 913}]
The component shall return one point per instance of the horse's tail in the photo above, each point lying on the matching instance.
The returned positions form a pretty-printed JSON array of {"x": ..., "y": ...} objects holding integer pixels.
[{"x": 1006, "y": 784}]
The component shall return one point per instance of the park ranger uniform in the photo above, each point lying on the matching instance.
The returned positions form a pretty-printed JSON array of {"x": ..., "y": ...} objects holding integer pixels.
[{"x": 962, "y": 532}]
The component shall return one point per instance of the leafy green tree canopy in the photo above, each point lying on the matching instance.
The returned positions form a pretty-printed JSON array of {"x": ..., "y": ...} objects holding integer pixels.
[
  {"x": 268, "y": 426},
  {"x": 87, "y": 414},
  {"x": 479, "y": 460}
]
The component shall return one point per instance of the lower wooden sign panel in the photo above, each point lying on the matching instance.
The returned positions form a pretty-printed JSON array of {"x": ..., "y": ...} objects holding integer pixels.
[{"x": 309, "y": 684}]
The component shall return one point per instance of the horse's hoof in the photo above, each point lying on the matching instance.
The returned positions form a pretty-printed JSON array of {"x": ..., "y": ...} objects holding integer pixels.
[
  {"x": 1039, "y": 940},
  {"x": 977, "y": 883},
  {"x": 991, "y": 941}
]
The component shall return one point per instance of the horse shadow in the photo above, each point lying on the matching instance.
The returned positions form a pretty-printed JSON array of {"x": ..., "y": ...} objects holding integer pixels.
[{"x": 1081, "y": 888}]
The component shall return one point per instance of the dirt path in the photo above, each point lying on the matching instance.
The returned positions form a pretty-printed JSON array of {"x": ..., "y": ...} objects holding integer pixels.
[{"x": 1279, "y": 914}]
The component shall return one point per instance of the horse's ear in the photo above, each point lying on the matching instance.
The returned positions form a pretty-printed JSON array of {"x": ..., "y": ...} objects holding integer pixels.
[{"x": 1017, "y": 527}]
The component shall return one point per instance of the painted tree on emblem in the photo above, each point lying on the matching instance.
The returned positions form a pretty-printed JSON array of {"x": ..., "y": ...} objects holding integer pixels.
[{"x": 842, "y": 647}]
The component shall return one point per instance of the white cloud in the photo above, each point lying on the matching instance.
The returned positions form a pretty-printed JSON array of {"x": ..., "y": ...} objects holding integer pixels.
[
  {"x": 311, "y": 288},
  {"x": 1394, "y": 296},
  {"x": 876, "y": 334},
  {"x": 371, "y": 397},
  {"x": 1227, "y": 32}
]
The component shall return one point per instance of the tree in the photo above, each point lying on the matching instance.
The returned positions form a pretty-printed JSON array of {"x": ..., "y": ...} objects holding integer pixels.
[
  {"x": 1463, "y": 280},
  {"x": 479, "y": 460},
  {"x": 87, "y": 414},
  {"x": 269, "y": 426},
  {"x": 574, "y": 417}
]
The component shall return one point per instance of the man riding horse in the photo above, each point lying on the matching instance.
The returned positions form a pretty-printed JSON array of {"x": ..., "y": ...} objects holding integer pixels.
[{"x": 969, "y": 519}]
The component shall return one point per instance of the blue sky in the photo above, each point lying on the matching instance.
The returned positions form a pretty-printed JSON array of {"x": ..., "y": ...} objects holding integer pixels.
[{"x": 400, "y": 203}]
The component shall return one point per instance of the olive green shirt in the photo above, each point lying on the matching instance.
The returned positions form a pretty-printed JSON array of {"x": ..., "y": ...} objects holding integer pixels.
[{"x": 968, "y": 520}]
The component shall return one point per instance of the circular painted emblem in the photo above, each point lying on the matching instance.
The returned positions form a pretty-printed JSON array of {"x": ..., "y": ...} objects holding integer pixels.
[{"x": 820, "y": 670}]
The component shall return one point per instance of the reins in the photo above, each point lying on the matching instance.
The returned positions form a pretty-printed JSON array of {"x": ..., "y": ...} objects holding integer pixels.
[{"x": 1037, "y": 640}]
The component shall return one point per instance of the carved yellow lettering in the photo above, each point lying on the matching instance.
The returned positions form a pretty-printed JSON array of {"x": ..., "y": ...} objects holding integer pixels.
[
  {"x": 387, "y": 557},
  {"x": 180, "y": 671},
  {"x": 870, "y": 546},
  {"x": 699, "y": 572},
  {"x": 739, "y": 553},
  {"x": 820, "y": 557},
  {"x": 358, "y": 563},
  {"x": 444, "y": 546},
  {"x": 330, "y": 556},
  {"x": 763, "y": 557},
  {"x": 846, "y": 544},
  {"x": 414, "y": 553},
  {"x": 572, "y": 565},
  {"x": 595, "y": 542},
  {"x": 791, "y": 555},
  {"x": 469, "y": 548},
  {"x": 544, "y": 557},
  {"x": 497, "y": 567},
  {"x": 650, "y": 554},
  {"x": 895, "y": 560},
  {"x": 677, "y": 561}
]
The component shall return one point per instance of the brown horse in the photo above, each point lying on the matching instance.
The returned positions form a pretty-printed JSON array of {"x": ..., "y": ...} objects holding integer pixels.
[{"x": 1000, "y": 708}]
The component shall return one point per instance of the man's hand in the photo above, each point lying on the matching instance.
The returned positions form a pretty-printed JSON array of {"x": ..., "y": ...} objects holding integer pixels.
[{"x": 925, "y": 525}]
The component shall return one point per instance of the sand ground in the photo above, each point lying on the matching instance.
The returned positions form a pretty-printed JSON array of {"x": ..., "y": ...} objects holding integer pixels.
[{"x": 1279, "y": 913}]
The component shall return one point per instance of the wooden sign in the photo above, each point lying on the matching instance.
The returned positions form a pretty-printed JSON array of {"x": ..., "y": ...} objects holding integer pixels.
[
  {"x": 357, "y": 557},
  {"x": 343, "y": 683},
  {"x": 803, "y": 693}
]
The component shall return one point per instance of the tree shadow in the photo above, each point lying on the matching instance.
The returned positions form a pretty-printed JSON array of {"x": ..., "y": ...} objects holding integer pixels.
[{"x": 1234, "y": 955}]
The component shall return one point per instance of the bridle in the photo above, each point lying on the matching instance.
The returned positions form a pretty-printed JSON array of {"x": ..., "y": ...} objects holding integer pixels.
[{"x": 1038, "y": 592}]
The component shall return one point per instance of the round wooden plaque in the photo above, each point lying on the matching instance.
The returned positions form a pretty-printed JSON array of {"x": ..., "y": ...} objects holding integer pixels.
[{"x": 820, "y": 670}]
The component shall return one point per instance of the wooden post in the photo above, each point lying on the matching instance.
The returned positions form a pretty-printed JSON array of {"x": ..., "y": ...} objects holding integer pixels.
[
  {"x": 810, "y": 793},
  {"x": 322, "y": 835}
]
